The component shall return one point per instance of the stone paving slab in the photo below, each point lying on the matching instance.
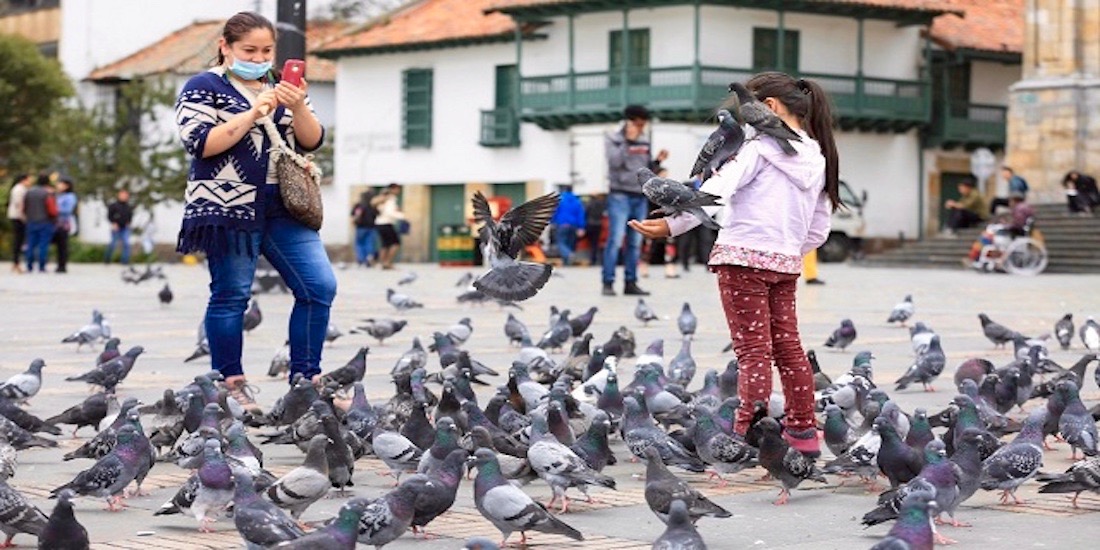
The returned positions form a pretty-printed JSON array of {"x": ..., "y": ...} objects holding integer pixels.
[{"x": 36, "y": 311}]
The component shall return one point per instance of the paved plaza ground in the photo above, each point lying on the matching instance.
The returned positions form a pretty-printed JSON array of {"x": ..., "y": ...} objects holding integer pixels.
[{"x": 39, "y": 309}]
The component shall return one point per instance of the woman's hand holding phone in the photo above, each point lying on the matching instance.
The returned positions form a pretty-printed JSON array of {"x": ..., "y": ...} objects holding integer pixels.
[{"x": 265, "y": 103}]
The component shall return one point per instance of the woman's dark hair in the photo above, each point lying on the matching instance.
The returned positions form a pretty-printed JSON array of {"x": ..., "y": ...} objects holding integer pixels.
[
  {"x": 19, "y": 178},
  {"x": 241, "y": 24},
  {"x": 1072, "y": 175},
  {"x": 43, "y": 179},
  {"x": 806, "y": 100}
]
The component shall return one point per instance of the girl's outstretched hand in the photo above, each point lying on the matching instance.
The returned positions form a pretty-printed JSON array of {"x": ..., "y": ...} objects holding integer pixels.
[{"x": 652, "y": 229}]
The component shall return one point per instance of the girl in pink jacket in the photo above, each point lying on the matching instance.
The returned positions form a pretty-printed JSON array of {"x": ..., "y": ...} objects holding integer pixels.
[{"x": 777, "y": 208}]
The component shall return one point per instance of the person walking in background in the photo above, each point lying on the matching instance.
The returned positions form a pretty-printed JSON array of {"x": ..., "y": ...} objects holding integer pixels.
[
  {"x": 389, "y": 216},
  {"x": 569, "y": 223},
  {"x": 363, "y": 216},
  {"x": 120, "y": 214},
  {"x": 627, "y": 150},
  {"x": 594, "y": 212},
  {"x": 66, "y": 221},
  {"x": 40, "y": 211},
  {"x": 759, "y": 251},
  {"x": 18, "y": 221},
  {"x": 219, "y": 114},
  {"x": 968, "y": 211}
]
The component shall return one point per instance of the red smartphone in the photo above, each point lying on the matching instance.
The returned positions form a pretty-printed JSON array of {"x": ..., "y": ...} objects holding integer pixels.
[{"x": 293, "y": 71}]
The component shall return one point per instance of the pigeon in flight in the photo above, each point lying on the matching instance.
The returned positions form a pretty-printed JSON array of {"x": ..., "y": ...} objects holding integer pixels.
[
  {"x": 509, "y": 278},
  {"x": 763, "y": 119},
  {"x": 722, "y": 145},
  {"x": 675, "y": 198}
]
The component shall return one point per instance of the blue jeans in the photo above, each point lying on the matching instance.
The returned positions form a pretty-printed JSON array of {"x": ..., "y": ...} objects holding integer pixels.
[
  {"x": 39, "y": 235},
  {"x": 566, "y": 236},
  {"x": 621, "y": 208},
  {"x": 364, "y": 243},
  {"x": 296, "y": 252},
  {"x": 121, "y": 237}
]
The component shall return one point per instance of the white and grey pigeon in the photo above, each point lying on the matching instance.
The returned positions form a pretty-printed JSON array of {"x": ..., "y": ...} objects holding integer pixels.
[
  {"x": 17, "y": 515},
  {"x": 644, "y": 313},
  {"x": 509, "y": 278},
  {"x": 91, "y": 333},
  {"x": 762, "y": 119},
  {"x": 304, "y": 485},
  {"x": 388, "y": 517},
  {"x": 401, "y": 302},
  {"x": 674, "y": 198},
  {"x": 408, "y": 279},
  {"x": 24, "y": 385},
  {"x": 1063, "y": 331},
  {"x": 1090, "y": 334},
  {"x": 460, "y": 331},
  {"x": 928, "y": 366},
  {"x": 1010, "y": 466},
  {"x": 215, "y": 489},
  {"x": 398, "y": 452},
  {"x": 687, "y": 322},
  {"x": 559, "y": 466},
  {"x": 202, "y": 344},
  {"x": 259, "y": 522},
  {"x": 919, "y": 336},
  {"x": 902, "y": 311},
  {"x": 280, "y": 362}
]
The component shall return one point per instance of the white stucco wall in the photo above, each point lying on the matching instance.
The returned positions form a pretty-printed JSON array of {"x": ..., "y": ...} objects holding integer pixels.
[
  {"x": 989, "y": 81},
  {"x": 887, "y": 166}
]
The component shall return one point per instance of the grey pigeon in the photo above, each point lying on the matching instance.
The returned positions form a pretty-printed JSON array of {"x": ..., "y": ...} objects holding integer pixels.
[
  {"x": 756, "y": 114},
  {"x": 111, "y": 474},
  {"x": 640, "y": 433},
  {"x": 62, "y": 530},
  {"x": 674, "y": 198},
  {"x": 1090, "y": 334},
  {"x": 388, "y": 517},
  {"x": 927, "y": 367},
  {"x": 12, "y": 411},
  {"x": 502, "y": 242},
  {"x": 332, "y": 332},
  {"x": 408, "y": 279},
  {"x": 644, "y": 313},
  {"x": 465, "y": 280},
  {"x": 996, "y": 332},
  {"x": 416, "y": 357},
  {"x": 515, "y": 330},
  {"x": 461, "y": 331},
  {"x": 898, "y": 461},
  {"x": 215, "y": 489},
  {"x": 110, "y": 351},
  {"x": 341, "y": 534},
  {"x": 252, "y": 317},
  {"x": 722, "y": 144},
  {"x": 360, "y": 418},
  {"x": 112, "y": 373},
  {"x": 9, "y": 459},
  {"x": 559, "y": 333},
  {"x": 913, "y": 530},
  {"x": 843, "y": 336},
  {"x": 436, "y": 491},
  {"x": 919, "y": 335},
  {"x": 258, "y": 521},
  {"x": 1076, "y": 424},
  {"x": 22, "y": 439},
  {"x": 580, "y": 323},
  {"x": 560, "y": 467},
  {"x": 723, "y": 453},
  {"x": 165, "y": 295},
  {"x": 784, "y": 463},
  {"x": 1012, "y": 465},
  {"x": 351, "y": 372},
  {"x": 687, "y": 321},
  {"x": 681, "y": 369},
  {"x": 280, "y": 362},
  {"x": 338, "y": 453},
  {"x": 1063, "y": 330},
  {"x": 304, "y": 485},
  {"x": 1081, "y": 476},
  {"x": 902, "y": 312},
  {"x": 662, "y": 487},
  {"x": 90, "y": 333},
  {"x": 396, "y": 451},
  {"x": 401, "y": 302},
  {"x": 381, "y": 328},
  {"x": 507, "y": 507},
  {"x": 680, "y": 532},
  {"x": 17, "y": 515},
  {"x": 446, "y": 440},
  {"x": 24, "y": 385},
  {"x": 592, "y": 445},
  {"x": 480, "y": 543},
  {"x": 202, "y": 344},
  {"x": 104, "y": 441}
]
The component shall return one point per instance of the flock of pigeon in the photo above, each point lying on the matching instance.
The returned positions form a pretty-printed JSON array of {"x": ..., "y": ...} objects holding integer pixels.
[{"x": 554, "y": 419}]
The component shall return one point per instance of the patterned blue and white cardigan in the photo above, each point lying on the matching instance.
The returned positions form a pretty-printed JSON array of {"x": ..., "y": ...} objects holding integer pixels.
[{"x": 225, "y": 196}]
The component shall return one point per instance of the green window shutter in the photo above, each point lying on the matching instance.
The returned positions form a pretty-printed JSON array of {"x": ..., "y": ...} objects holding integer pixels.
[
  {"x": 765, "y": 48},
  {"x": 638, "y": 44},
  {"x": 507, "y": 83},
  {"x": 417, "y": 108}
]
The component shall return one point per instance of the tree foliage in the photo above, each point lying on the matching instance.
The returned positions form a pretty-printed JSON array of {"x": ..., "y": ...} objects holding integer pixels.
[{"x": 32, "y": 91}]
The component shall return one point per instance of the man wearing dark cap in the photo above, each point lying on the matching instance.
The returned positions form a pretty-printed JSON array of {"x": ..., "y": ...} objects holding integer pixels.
[
  {"x": 968, "y": 211},
  {"x": 627, "y": 150}
]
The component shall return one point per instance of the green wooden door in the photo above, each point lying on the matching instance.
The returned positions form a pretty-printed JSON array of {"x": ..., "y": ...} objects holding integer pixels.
[
  {"x": 638, "y": 46},
  {"x": 507, "y": 80},
  {"x": 515, "y": 191},
  {"x": 447, "y": 209}
]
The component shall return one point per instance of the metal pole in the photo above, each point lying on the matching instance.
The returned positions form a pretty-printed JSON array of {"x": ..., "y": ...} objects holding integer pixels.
[
  {"x": 695, "y": 68},
  {"x": 572, "y": 69},
  {"x": 518, "y": 91},
  {"x": 291, "y": 25},
  {"x": 625, "y": 47},
  {"x": 780, "y": 38},
  {"x": 859, "y": 65}
]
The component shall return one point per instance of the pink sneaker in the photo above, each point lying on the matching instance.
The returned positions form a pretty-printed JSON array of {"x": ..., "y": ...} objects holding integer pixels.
[{"x": 804, "y": 441}]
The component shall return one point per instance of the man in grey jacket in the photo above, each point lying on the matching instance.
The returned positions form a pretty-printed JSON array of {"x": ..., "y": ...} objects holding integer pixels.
[{"x": 627, "y": 150}]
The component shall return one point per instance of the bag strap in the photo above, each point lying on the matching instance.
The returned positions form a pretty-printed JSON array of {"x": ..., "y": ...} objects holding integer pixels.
[{"x": 272, "y": 131}]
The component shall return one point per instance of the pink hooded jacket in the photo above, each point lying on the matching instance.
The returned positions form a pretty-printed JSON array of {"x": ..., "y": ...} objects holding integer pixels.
[{"x": 775, "y": 207}]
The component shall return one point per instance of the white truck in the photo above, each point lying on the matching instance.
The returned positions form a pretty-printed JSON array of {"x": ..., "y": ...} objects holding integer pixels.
[{"x": 847, "y": 228}]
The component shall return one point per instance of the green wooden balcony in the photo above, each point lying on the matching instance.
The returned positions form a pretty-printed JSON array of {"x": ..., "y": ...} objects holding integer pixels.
[
  {"x": 691, "y": 94},
  {"x": 970, "y": 125},
  {"x": 499, "y": 128}
]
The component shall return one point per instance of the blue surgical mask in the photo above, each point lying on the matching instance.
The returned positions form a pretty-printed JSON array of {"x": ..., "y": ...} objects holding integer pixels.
[{"x": 248, "y": 70}]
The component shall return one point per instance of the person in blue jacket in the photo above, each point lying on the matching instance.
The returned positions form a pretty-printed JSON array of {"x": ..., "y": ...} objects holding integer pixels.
[{"x": 569, "y": 223}]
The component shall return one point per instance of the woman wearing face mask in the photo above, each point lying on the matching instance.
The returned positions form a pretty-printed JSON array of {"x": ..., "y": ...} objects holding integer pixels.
[{"x": 233, "y": 209}]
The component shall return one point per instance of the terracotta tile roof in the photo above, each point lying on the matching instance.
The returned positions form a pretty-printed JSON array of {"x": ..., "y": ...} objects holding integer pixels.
[
  {"x": 907, "y": 5},
  {"x": 989, "y": 25},
  {"x": 425, "y": 23},
  {"x": 190, "y": 50}
]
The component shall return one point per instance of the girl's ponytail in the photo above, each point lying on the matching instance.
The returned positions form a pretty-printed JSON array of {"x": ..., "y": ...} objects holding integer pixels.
[{"x": 819, "y": 124}]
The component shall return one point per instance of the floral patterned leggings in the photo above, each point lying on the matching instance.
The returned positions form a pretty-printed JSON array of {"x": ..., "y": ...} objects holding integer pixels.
[{"x": 763, "y": 323}]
